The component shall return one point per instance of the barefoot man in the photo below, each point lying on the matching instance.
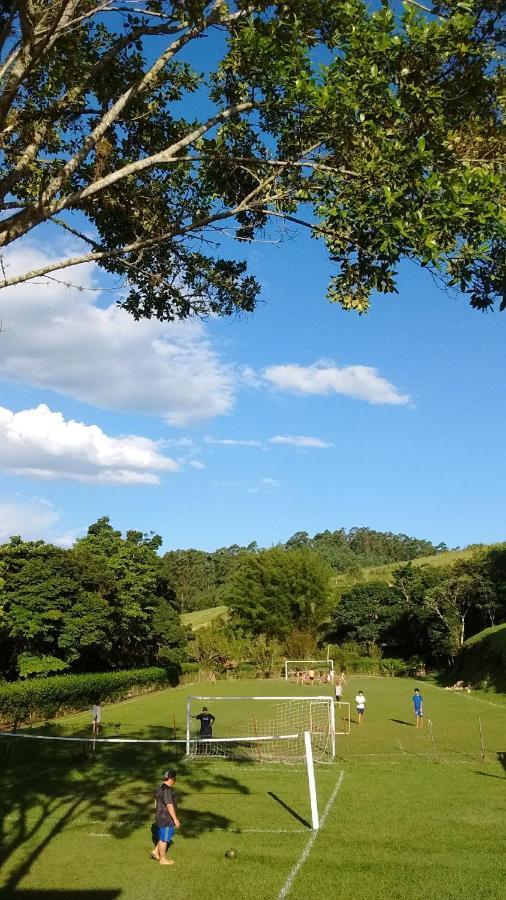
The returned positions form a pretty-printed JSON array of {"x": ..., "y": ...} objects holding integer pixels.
[{"x": 165, "y": 817}]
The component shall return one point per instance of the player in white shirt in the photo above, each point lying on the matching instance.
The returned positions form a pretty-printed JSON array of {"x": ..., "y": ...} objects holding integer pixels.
[
  {"x": 360, "y": 703},
  {"x": 95, "y": 718}
]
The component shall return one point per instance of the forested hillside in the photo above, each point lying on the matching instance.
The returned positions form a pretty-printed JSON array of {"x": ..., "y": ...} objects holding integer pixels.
[
  {"x": 198, "y": 577},
  {"x": 113, "y": 602}
]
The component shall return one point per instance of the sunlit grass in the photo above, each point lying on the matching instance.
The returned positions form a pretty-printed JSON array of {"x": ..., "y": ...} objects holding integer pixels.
[{"x": 418, "y": 815}]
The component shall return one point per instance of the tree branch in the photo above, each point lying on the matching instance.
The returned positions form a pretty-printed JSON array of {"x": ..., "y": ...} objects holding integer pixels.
[{"x": 164, "y": 156}]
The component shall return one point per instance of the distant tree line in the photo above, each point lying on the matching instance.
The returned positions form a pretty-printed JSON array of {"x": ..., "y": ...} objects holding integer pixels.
[
  {"x": 425, "y": 610},
  {"x": 113, "y": 602},
  {"x": 199, "y": 577}
]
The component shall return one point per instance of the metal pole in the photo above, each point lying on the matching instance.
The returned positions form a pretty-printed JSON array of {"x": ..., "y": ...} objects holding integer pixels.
[
  {"x": 481, "y": 739},
  {"x": 429, "y": 723},
  {"x": 188, "y": 702},
  {"x": 333, "y": 728},
  {"x": 315, "y": 822}
]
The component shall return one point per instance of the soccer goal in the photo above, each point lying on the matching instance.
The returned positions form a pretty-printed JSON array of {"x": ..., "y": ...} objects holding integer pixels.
[
  {"x": 264, "y": 729},
  {"x": 295, "y": 668}
]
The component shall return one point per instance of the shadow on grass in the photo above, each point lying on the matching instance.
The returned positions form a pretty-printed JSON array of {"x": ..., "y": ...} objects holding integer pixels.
[
  {"x": 49, "y": 787},
  {"x": 67, "y": 895},
  {"x": 289, "y": 809},
  {"x": 402, "y": 722},
  {"x": 490, "y": 775}
]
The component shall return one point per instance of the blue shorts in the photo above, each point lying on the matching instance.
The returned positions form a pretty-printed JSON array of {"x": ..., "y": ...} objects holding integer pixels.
[{"x": 165, "y": 833}]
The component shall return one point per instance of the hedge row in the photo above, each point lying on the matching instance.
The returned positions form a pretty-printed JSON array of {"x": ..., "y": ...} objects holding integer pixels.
[{"x": 45, "y": 698}]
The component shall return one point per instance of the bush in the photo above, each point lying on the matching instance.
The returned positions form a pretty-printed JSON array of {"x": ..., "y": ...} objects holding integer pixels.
[
  {"x": 395, "y": 667},
  {"x": 45, "y": 698}
]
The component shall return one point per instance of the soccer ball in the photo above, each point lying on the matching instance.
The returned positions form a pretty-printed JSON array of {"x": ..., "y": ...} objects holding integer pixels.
[{"x": 230, "y": 853}]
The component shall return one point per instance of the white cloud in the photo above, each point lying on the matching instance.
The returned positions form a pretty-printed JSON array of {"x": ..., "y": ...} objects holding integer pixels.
[
  {"x": 195, "y": 464},
  {"x": 264, "y": 486},
  {"x": 269, "y": 482},
  {"x": 231, "y": 442},
  {"x": 323, "y": 377},
  {"x": 58, "y": 337},
  {"x": 40, "y": 443},
  {"x": 32, "y": 519},
  {"x": 299, "y": 440}
]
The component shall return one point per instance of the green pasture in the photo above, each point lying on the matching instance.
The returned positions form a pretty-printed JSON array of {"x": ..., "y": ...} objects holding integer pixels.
[
  {"x": 415, "y": 814},
  {"x": 202, "y": 617},
  {"x": 385, "y": 572}
]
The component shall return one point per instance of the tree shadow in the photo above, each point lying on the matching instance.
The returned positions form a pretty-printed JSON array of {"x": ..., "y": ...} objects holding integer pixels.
[
  {"x": 402, "y": 722},
  {"x": 47, "y": 787},
  {"x": 289, "y": 809},
  {"x": 31, "y": 894},
  {"x": 491, "y": 775}
]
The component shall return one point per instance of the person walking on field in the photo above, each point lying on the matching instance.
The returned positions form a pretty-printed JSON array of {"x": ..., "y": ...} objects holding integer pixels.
[
  {"x": 418, "y": 708},
  {"x": 339, "y": 690},
  {"x": 165, "y": 817},
  {"x": 360, "y": 703}
]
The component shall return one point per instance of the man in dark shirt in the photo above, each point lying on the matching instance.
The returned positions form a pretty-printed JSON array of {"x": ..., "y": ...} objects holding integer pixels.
[
  {"x": 165, "y": 817},
  {"x": 206, "y": 720}
]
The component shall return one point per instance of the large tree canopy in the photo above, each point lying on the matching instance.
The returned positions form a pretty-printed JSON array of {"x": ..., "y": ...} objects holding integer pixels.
[{"x": 379, "y": 132}]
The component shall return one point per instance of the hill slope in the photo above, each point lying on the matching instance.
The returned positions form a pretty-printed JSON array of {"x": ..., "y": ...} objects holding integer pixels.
[
  {"x": 384, "y": 573},
  {"x": 203, "y": 617},
  {"x": 482, "y": 660}
]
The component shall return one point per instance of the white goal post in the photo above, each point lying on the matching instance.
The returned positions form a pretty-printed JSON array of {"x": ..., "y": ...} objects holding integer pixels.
[
  {"x": 303, "y": 665},
  {"x": 268, "y": 727}
]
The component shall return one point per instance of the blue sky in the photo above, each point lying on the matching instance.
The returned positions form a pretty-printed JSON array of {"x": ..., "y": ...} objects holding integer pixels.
[{"x": 298, "y": 417}]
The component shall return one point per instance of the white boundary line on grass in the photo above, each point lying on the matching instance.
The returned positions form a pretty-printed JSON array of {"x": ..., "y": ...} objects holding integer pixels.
[
  {"x": 471, "y": 697},
  {"x": 287, "y": 887}
]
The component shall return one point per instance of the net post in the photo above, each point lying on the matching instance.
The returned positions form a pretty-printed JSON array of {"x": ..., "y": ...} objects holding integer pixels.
[
  {"x": 333, "y": 727},
  {"x": 188, "y": 703},
  {"x": 315, "y": 822},
  {"x": 481, "y": 739},
  {"x": 286, "y": 670}
]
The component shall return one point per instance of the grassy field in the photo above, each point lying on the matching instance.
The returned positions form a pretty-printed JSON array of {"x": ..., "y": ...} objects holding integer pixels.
[
  {"x": 202, "y": 617},
  {"x": 384, "y": 573},
  {"x": 406, "y": 815}
]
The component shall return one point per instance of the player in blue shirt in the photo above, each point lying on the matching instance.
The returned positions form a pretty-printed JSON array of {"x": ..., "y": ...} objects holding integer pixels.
[{"x": 418, "y": 708}]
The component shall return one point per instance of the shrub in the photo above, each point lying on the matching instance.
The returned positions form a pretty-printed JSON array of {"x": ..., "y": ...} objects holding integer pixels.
[
  {"x": 397, "y": 667},
  {"x": 45, "y": 698}
]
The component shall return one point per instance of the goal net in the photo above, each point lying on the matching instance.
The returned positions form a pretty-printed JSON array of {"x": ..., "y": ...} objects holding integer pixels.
[
  {"x": 300, "y": 669},
  {"x": 262, "y": 729}
]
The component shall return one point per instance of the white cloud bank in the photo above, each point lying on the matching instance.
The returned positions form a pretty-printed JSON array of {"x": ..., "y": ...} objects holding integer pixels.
[
  {"x": 299, "y": 440},
  {"x": 41, "y": 444},
  {"x": 58, "y": 337},
  {"x": 359, "y": 382}
]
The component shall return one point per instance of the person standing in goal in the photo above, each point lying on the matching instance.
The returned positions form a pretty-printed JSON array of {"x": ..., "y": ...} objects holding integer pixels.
[{"x": 206, "y": 720}]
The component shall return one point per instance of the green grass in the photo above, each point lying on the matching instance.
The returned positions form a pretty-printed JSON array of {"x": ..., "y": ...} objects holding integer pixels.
[
  {"x": 384, "y": 573},
  {"x": 202, "y": 617},
  {"x": 411, "y": 820},
  {"x": 482, "y": 659}
]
